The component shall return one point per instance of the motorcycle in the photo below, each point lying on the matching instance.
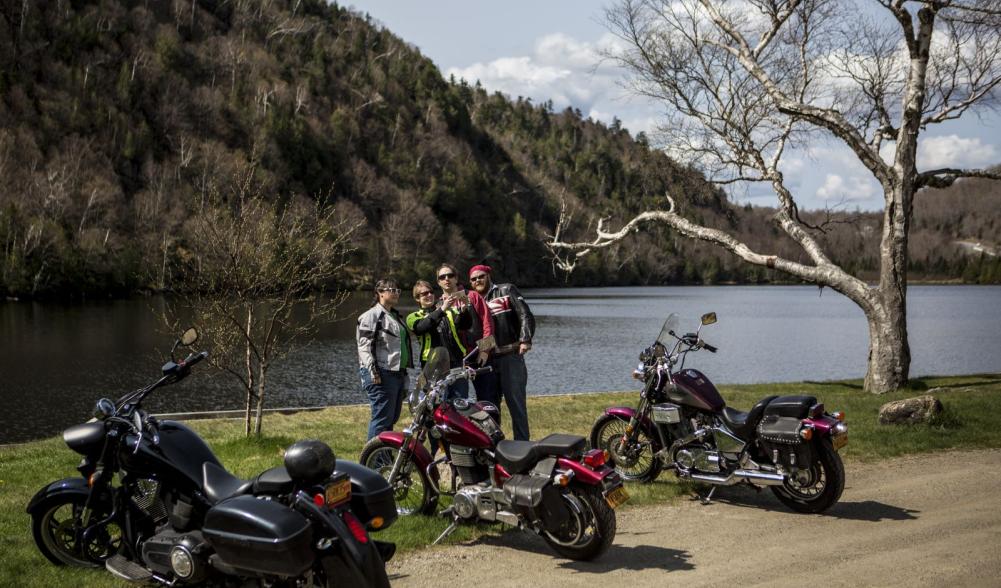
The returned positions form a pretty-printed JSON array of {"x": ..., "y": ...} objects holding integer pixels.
[
  {"x": 553, "y": 487},
  {"x": 787, "y": 443},
  {"x": 177, "y": 517}
]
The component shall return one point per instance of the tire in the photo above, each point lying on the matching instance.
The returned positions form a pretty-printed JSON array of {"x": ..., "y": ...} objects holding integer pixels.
[
  {"x": 340, "y": 570},
  {"x": 55, "y": 524},
  {"x": 637, "y": 463},
  {"x": 413, "y": 492},
  {"x": 598, "y": 529},
  {"x": 822, "y": 486}
]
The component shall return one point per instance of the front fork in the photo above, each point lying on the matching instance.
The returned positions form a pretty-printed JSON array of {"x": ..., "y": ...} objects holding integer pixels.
[
  {"x": 401, "y": 465},
  {"x": 633, "y": 427}
]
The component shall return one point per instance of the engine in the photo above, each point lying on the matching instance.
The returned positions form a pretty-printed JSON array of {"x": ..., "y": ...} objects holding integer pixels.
[
  {"x": 182, "y": 556},
  {"x": 699, "y": 458},
  {"x": 707, "y": 450},
  {"x": 470, "y": 465},
  {"x": 475, "y": 501}
]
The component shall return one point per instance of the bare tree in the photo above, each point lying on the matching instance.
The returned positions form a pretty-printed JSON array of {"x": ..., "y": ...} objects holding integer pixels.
[
  {"x": 743, "y": 81},
  {"x": 253, "y": 273}
]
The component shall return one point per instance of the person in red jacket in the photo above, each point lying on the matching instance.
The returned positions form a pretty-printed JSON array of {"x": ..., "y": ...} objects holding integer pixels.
[
  {"x": 514, "y": 327},
  {"x": 480, "y": 335}
]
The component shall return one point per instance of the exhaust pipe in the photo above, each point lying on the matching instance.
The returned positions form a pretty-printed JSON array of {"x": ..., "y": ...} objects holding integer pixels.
[{"x": 753, "y": 476}]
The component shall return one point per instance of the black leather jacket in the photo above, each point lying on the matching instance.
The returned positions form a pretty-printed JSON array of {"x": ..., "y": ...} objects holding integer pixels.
[{"x": 514, "y": 322}]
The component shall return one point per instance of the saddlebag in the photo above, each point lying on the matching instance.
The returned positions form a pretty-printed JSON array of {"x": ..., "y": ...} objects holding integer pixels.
[
  {"x": 260, "y": 536},
  {"x": 781, "y": 442},
  {"x": 535, "y": 496},
  {"x": 371, "y": 495}
]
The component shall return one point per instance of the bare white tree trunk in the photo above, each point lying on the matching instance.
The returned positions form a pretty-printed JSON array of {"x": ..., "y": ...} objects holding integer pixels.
[{"x": 249, "y": 366}]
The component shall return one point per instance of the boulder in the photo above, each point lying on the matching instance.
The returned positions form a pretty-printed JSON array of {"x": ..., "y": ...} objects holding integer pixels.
[{"x": 909, "y": 411}]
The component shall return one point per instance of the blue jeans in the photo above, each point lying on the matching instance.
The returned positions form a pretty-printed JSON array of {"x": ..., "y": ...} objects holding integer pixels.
[
  {"x": 386, "y": 399},
  {"x": 512, "y": 379}
]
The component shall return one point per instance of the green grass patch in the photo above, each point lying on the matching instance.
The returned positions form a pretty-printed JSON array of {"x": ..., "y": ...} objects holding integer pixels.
[{"x": 971, "y": 405}]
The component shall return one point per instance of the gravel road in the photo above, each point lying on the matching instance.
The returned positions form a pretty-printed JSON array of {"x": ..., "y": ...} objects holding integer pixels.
[{"x": 928, "y": 520}]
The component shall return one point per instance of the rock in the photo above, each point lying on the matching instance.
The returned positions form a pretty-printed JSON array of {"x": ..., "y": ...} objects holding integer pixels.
[{"x": 920, "y": 409}]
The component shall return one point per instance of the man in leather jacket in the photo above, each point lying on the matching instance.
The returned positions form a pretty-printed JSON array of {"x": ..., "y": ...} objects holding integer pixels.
[{"x": 514, "y": 326}]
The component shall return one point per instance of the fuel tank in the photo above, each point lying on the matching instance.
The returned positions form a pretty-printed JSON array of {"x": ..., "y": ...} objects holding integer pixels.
[
  {"x": 180, "y": 453},
  {"x": 460, "y": 430},
  {"x": 693, "y": 388}
]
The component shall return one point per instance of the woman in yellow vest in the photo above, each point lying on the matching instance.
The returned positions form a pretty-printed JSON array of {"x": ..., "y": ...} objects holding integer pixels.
[{"x": 439, "y": 326}]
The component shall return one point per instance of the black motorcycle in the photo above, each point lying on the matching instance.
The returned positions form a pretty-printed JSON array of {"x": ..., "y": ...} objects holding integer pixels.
[
  {"x": 788, "y": 443},
  {"x": 154, "y": 504}
]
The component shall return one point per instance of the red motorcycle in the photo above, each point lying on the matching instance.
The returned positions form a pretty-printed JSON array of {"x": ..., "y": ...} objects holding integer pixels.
[
  {"x": 553, "y": 487},
  {"x": 788, "y": 443}
]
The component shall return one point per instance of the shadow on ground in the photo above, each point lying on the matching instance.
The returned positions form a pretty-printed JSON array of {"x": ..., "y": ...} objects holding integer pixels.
[
  {"x": 618, "y": 557},
  {"x": 864, "y": 510}
]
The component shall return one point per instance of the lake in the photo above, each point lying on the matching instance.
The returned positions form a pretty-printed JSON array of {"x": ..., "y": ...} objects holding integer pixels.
[{"x": 58, "y": 359}]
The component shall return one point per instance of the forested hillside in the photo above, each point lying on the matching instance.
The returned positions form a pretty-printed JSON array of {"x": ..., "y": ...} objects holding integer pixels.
[{"x": 121, "y": 119}]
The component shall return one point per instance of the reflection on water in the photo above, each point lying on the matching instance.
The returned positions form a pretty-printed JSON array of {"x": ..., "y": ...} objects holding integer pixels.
[{"x": 57, "y": 360}]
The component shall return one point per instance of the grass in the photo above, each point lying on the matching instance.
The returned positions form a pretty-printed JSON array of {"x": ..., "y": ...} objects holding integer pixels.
[{"x": 971, "y": 403}]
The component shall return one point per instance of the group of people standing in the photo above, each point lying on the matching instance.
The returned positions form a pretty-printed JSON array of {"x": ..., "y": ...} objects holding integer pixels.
[{"x": 492, "y": 319}]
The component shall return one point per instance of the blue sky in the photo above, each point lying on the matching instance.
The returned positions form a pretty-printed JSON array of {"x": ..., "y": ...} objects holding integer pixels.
[{"x": 547, "y": 50}]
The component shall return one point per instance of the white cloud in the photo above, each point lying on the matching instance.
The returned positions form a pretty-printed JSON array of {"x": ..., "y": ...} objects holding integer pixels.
[
  {"x": 836, "y": 187},
  {"x": 561, "y": 68},
  {"x": 955, "y": 151}
]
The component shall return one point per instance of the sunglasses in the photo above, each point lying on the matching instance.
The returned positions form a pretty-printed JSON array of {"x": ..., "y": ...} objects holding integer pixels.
[
  {"x": 477, "y": 278},
  {"x": 391, "y": 290},
  {"x": 446, "y": 276},
  {"x": 425, "y": 293}
]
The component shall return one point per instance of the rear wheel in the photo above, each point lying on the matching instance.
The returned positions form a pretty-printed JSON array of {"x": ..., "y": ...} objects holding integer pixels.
[
  {"x": 590, "y": 529},
  {"x": 341, "y": 570},
  {"x": 411, "y": 487},
  {"x": 58, "y": 527},
  {"x": 817, "y": 488},
  {"x": 634, "y": 460}
]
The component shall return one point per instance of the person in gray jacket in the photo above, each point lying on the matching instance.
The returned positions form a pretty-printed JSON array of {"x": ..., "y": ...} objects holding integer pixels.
[{"x": 384, "y": 356}]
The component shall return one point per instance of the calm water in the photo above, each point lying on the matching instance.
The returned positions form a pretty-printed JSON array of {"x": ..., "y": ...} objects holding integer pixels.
[{"x": 56, "y": 360}]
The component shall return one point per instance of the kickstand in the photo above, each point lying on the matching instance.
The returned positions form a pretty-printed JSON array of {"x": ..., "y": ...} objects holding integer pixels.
[
  {"x": 708, "y": 498},
  {"x": 447, "y": 532}
]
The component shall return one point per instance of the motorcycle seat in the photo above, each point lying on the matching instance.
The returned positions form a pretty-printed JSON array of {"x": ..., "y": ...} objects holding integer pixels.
[
  {"x": 274, "y": 481},
  {"x": 797, "y": 407},
  {"x": 519, "y": 456},
  {"x": 742, "y": 424},
  {"x": 218, "y": 484}
]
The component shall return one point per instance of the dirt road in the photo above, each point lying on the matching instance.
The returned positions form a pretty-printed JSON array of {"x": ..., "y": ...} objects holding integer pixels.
[{"x": 931, "y": 520}]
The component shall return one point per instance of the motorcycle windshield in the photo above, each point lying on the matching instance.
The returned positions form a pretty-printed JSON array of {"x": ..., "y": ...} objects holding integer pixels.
[
  {"x": 437, "y": 366},
  {"x": 670, "y": 326}
]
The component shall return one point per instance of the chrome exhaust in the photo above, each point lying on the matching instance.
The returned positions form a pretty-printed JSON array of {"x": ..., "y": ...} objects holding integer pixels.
[{"x": 753, "y": 476}]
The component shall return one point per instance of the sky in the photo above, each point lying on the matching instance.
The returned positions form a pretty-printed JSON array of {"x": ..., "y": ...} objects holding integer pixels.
[{"x": 549, "y": 50}]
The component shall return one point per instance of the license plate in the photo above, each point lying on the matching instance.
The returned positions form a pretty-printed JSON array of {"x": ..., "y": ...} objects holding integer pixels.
[
  {"x": 617, "y": 497},
  {"x": 338, "y": 492},
  {"x": 839, "y": 441}
]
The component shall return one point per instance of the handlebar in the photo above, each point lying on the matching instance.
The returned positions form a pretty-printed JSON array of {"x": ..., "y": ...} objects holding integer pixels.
[
  {"x": 709, "y": 348},
  {"x": 194, "y": 358}
]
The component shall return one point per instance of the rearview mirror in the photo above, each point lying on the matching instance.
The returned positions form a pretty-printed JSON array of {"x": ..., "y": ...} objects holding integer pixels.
[
  {"x": 189, "y": 336},
  {"x": 709, "y": 318}
]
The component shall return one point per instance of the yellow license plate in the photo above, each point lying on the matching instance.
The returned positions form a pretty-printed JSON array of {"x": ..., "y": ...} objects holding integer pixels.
[
  {"x": 839, "y": 441},
  {"x": 338, "y": 492},
  {"x": 617, "y": 497}
]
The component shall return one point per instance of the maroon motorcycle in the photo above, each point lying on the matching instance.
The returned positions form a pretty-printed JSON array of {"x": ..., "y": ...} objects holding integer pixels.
[
  {"x": 788, "y": 443},
  {"x": 553, "y": 487}
]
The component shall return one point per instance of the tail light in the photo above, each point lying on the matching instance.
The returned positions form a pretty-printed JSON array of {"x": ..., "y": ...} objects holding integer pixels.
[
  {"x": 806, "y": 433},
  {"x": 596, "y": 458},
  {"x": 356, "y": 527},
  {"x": 840, "y": 415}
]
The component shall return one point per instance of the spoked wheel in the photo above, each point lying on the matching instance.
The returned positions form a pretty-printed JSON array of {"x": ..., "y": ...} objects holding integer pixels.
[
  {"x": 57, "y": 528},
  {"x": 411, "y": 487},
  {"x": 590, "y": 529},
  {"x": 633, "y": 460},
  {"x": 817, "y": 488}
]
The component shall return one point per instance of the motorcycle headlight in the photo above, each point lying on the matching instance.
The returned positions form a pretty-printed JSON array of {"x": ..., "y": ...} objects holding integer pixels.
[{"x": 182, "y": 562}]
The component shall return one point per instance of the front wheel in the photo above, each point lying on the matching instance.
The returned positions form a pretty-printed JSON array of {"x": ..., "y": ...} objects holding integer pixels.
[
  {"x": 817, "y": 488},
  {"x": 634, "y": 460},
  {"x": 57, "y": 527},
  {"x": 411, "y": 488},
  {"x": 590, "y": 529}
]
